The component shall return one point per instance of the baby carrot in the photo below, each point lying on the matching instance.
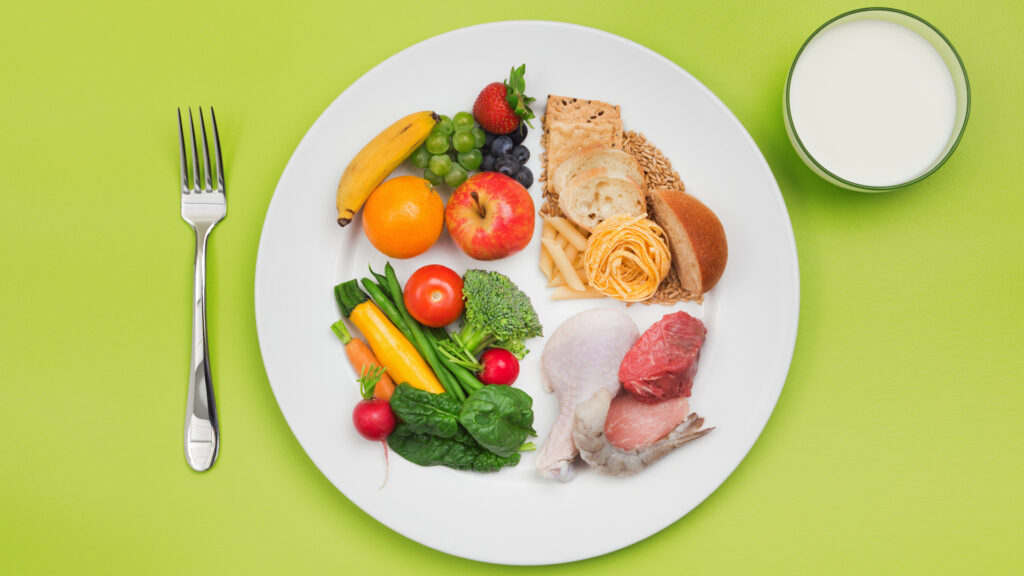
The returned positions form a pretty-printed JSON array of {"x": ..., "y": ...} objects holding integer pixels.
[{"x": 363, "y": 360}]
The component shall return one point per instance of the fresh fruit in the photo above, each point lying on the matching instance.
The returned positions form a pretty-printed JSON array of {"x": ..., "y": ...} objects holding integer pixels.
[
  {"x": 519, "y": 134},
  {"x": 490, "y": 216},
  {"x": 455, "y": 176},
  {"x": 501, "y": 145},
  {"x": 521, "y": 153},
  {"x": 506, "y": 165},
  {"x": 433, "y": 295},
  {"x": 470, "y": 160},
  {"x": 445, "y": 126},
  {"x": 437, "y": 143},
  {"x": 501, "y": 106},
  {"x": 379, "y": 158},
  {"x": 434, "y": 179},
  {"x": 462, "y": 121},
  {"x": 524, "y": 176},
  {"x": 462, "y": 141},
  {"x": 479, "y": 137},
  {"x": 440, "y": 164},
  {"x": 421, "y": 157},
  {"x": 500, "y": 367},
  {"x": 404, "y": 217},
  {"x": 487, "y": 162}
]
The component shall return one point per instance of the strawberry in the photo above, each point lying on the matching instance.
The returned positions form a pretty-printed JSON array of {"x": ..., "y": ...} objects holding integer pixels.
[{"x": 501, "y": 106}]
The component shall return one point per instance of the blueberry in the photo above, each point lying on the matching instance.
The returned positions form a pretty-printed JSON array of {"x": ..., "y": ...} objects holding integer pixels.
[
  {"x": 506, "y": 164},
  {"x": 525, "y": 177},
  {"x": 487, "y": 164},
  {"x": 501, "y": 145},
  {"x": 521, "y": 153},
  {"x": 519, "y": 134},
  {"x": 488, "y": 140}
]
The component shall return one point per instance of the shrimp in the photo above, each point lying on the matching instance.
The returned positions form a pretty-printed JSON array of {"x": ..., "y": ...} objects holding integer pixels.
[{"x": 606, "y": 458}]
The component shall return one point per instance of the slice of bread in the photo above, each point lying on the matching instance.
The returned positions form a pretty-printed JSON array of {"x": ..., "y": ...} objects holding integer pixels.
[
  {"x": 696, "y": 239},
  {"x": 597, "y": 162},
  {"x": 589, "y": 201}
]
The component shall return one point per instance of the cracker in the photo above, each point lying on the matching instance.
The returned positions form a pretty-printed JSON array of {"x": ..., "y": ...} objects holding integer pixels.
[{"x": 572, "y": 124}]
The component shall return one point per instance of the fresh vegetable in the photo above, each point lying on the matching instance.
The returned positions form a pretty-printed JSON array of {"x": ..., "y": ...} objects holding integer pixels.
[
  {"x": 501, "y": 107},
  {"x": 499, "y": 367},
  {"x": 500, "y": 418},
  {"x": 421, "y": 341},
  {"x": 372, "y": 417},
  {"x": 389, "y": 345},
  {"x": 435, "y": 414},
  {"x": 460, "y": 451},
  {"x": 431, "y": 432},
  {"x": 433, "y": 295},
  {"x": 363, "y": 360},
  {"x": 497, "y": 314},
  {"x": 378, "y": 159}
]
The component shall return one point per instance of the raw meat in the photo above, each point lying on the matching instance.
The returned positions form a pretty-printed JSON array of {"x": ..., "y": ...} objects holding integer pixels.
[
  {"x": 606, "y": 458},
  {"x": 582, "y": 356},
  {"x": 633, "y": 423},
  {"x": 663, "y": 361}
]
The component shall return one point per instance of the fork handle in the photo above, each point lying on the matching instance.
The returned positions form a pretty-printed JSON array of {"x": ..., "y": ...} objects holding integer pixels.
[{"x": 202, "y": 433}]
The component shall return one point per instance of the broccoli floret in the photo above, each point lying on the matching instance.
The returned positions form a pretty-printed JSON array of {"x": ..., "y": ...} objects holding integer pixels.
[{"x": 498, "y": 314}]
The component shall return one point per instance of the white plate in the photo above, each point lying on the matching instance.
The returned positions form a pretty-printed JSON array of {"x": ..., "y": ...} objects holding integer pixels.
[{"x": 514, "y": 516}]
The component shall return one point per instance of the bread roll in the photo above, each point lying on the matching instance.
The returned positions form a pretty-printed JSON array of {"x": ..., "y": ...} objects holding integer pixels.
[{"x": 695, "y": 237}]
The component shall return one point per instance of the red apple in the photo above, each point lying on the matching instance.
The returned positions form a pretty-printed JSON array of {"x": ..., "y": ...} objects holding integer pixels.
[{"x": 490, "y": 216}]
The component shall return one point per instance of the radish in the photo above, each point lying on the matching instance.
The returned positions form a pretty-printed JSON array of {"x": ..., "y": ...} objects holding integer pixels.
[
  {"x": 373, "y": 419},
  {"x": 500, "y": 367}
]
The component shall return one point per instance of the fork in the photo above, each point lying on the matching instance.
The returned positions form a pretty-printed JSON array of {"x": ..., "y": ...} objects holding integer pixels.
[{"x": 202, "y": 208}]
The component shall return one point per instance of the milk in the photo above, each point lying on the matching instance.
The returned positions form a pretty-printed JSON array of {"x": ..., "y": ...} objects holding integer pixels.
[{"x": 873, "y": 102}]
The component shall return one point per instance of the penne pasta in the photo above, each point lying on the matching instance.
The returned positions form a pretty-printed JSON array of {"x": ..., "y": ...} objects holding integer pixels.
[
  {"x": 563, "y": 264},
  {"x": 547, "y": 266},
  {"x": 567, "y": 230},
  {"x": 566, "y": 293}
]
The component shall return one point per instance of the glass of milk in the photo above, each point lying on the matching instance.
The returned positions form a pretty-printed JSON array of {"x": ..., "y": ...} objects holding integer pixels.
[{"x": 876, "y": 99}]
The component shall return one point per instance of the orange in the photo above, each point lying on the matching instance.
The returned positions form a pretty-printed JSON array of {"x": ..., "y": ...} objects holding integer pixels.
[{"x": 403, "y": 217}]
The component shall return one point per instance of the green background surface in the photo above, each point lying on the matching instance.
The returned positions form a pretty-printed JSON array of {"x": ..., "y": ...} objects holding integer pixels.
[{"x": 896, "y": 446}]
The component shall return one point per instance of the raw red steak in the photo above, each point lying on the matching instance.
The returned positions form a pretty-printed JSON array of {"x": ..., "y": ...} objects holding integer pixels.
[
  {"x": 662, "y": 362},
  {"x": 633, "y": 423}
]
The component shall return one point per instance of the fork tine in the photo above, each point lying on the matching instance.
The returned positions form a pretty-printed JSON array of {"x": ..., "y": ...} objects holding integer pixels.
[
  {"x": 195, "y": 158},
  {"x": 181, "y": 142},
  {"x": 216, "y": 152},
  {"x": 206, "y": 153}
]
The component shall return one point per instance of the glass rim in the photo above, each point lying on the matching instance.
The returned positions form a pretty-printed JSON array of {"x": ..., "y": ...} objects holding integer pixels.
[{"x": 945, "y": 157}]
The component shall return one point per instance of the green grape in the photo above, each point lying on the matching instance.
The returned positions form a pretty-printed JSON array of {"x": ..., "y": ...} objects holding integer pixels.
[
  {"x": 445, "y": 126},
  {"x": 456, "y": 176},
  {"x": 437, "y": 143},
  {"x": 440, "y": 164},
  {"x": 432, "y": 178},
  {"x": 463, "y": 121},
  {"x": 462, "y": 141},
  {"x": 421, "y": 157},
  {"x": 471, "y": 160},
  {"x": 479, "y": 137}
]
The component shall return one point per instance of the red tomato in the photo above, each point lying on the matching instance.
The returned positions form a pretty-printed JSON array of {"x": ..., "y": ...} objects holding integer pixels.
[{"x": 433, "y": 295}]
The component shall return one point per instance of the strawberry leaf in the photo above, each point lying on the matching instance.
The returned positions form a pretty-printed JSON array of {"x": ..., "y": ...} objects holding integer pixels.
[{"x": 515, "y": 94}]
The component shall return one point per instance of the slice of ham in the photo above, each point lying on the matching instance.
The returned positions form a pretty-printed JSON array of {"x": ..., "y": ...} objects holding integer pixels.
[{"x": 633, "y": 423}]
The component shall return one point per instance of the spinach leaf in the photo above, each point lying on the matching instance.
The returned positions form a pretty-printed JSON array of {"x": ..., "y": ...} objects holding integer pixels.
[
  {"x": 499, "y": 417},
  {"x": 460, "y": 451},
  {"x": 424, "y": 412}
]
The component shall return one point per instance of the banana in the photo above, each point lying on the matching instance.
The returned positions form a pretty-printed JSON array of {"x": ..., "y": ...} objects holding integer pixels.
[{"x": 378, "y": 159}]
